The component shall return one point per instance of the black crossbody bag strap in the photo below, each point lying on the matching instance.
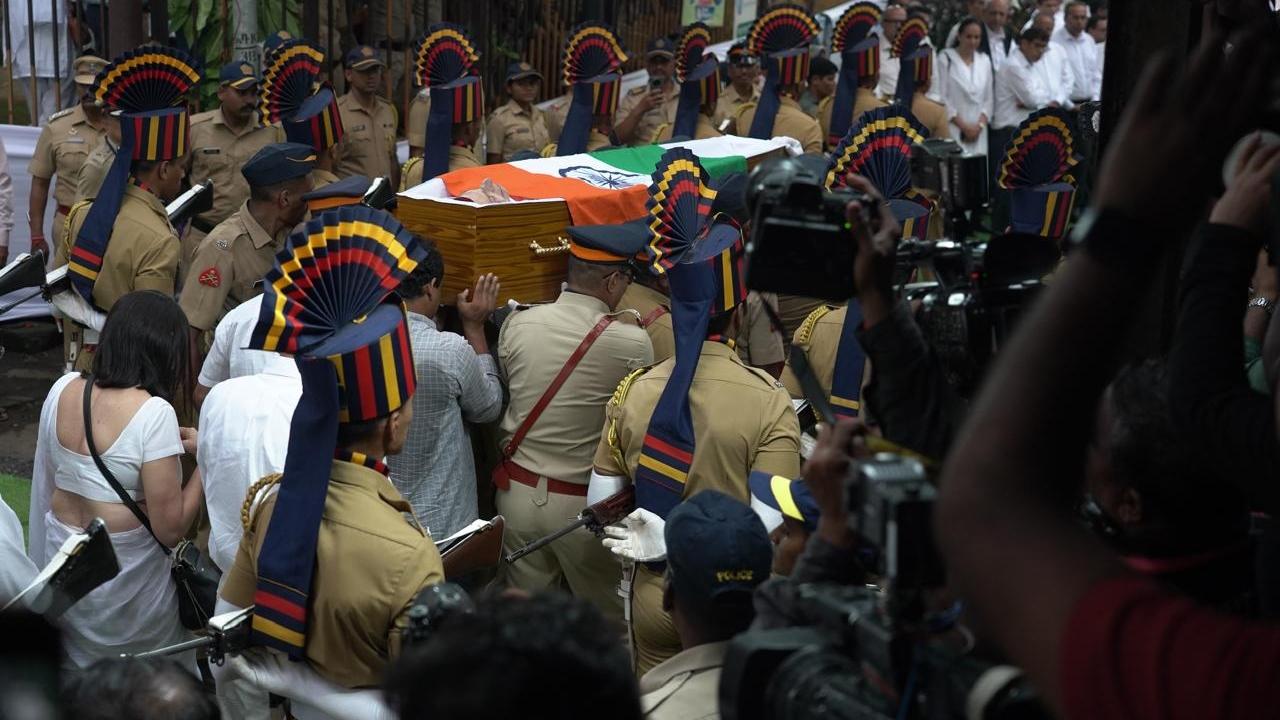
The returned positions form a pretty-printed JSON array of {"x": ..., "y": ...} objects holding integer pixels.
[{"x": 102, "y": 468}]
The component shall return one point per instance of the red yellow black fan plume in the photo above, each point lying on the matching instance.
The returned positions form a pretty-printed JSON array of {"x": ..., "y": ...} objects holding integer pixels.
[
  {"x": 679, "y": 207},
  {"x": 783, "y": 27},
  {"x": 592, "y": 50},
  {"x": 693, "y": 42},
  {"x": 914, "y": 32},
  {"x": 150, "y": 78},
  {"x": 854, "y": 25},
  {"x": 1042, "y": 150},
  {"x": 878, "y": 147},
  {"x": 294, "y": 73},
  {"x": 445, "y": 53}
]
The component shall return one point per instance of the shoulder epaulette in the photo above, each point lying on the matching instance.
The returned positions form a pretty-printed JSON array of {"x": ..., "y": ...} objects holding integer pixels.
[
  {"x": 613, "y": 434},
  {"x": 549, "y": 150},
  {"x": 61, "y": 114},
  {"x": 246, "y": 510},
  {"x": 71, "y": 215},
  {"x": 627, "y": 315},
  {"x": 202, "y": 117},
  {"x": 749, "y": 105},
  {"x": 804, "y": 333},
  {"x": 406, "y": 168}
]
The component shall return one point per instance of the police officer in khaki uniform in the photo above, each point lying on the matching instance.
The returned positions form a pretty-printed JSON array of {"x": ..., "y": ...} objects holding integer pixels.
[
  {"x": 99, "y": 159},
  {"x": 454, "y": 128},
  {"x": 744, "y": 69},
  {"x": 123, "y": 241},
  {"x": 369, "y": 121},
  {"x": 415, "y": 128},
  {"x": 229, "y": 265},
  {"x": 594, "y": 59},
  {"x": 778, "y": 111},
  {"x": 222, "y": 140},
  {"x": 859, "y": 50},
  {"x": 63, "y": 146},
  {"x": 518, "y": 125},
  {"x": 819, "y": 337},
  {"x": 644, "y": 109},
  {"x": 542, "y": 480},
  {"x": 915, "y": 80},
  {"x": 334, "y": 578},
  {"x": 742, "y": 419},
  {"x": 306, "y": 111},
  {"x": 718, "y": 553}
]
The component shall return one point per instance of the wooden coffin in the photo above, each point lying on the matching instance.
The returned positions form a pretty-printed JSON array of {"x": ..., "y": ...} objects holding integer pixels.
[{"x": 523, "y": 243}]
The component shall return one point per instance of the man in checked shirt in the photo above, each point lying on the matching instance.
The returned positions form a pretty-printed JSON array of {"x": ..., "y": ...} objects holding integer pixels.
[{"x": 457, "y": 381}]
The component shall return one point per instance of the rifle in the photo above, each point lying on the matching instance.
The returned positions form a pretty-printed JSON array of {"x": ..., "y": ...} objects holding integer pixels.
[
  {"x": 473, "y": 553},
  {"x": 228, "y": 633},
  {"x": 594, "y": 517},
  {"x": 85, "y": 561}
]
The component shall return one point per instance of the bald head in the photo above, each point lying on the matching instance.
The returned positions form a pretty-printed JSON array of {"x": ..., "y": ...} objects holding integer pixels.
[{"x": 1043, "y": 21}]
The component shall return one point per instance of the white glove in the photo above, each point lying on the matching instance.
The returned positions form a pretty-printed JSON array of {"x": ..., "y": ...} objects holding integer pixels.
[
  {"x": 275, "y": 673},
  {"x": 71, "y": 305},
  {"x": 638, "y": 537}
]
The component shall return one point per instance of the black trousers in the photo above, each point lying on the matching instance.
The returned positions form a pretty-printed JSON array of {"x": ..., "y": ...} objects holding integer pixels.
[{"x": 1001, "y": 210}]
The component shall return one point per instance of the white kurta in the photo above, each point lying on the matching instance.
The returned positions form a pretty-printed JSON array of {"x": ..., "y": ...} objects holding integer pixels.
[{"x": 968, "y": 92}]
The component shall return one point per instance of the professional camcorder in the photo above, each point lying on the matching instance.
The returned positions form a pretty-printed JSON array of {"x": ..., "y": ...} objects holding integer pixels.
[
  {"x": 435, "y": 605},
  {"x": 872, "y": 652}
]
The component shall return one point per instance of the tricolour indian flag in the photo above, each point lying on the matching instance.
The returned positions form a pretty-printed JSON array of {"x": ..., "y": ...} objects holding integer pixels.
[{"x": 602, "y": 187}]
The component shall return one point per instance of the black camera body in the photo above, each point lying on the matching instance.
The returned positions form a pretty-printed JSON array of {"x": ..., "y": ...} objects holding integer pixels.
[
  {"x": 433, "y": 606},
  {"x": 800, "y": 242},
  {"x": 940, "y": 166},
  {"x": 869, "y": 653}
]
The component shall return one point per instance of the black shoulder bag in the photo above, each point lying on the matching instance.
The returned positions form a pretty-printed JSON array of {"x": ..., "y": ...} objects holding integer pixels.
[{"x": 196, "y": 577}]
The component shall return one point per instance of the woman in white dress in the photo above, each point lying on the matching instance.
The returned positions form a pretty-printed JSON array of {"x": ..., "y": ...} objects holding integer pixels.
[
  {"x": 140, "y": 358},
  {"x": 966, "y": 79}
]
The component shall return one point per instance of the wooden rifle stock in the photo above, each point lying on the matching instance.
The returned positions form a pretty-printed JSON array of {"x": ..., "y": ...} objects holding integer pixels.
[{"x": 594, "y": 517}]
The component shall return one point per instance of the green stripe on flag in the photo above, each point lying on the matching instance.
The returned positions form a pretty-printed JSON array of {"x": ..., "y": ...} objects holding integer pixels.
[{"x": 644, "y": 159}]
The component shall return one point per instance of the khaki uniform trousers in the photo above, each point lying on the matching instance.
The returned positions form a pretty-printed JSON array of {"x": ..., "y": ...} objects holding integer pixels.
[
  {"x": 578, "y": 559},
  {"x": 653, "y": 635}
]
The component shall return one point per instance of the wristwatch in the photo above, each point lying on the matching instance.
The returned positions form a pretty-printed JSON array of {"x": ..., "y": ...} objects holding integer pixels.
[{"x": 1264, "y": 303}]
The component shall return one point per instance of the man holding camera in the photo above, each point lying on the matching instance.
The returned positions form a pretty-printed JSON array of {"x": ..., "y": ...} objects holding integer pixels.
[{"x": 644, "y": 109}]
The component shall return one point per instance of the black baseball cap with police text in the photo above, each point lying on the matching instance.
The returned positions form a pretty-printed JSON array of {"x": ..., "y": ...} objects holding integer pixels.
[{"x": 717, "y": 547}]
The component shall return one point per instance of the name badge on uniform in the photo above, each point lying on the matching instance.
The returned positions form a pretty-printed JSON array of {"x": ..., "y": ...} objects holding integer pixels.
[
  {"x": 520, "y": 130},
  {"x": 76, "y": 140},
  {"x": 357, "y": 128},
  {"x": 210, "y": 151}
]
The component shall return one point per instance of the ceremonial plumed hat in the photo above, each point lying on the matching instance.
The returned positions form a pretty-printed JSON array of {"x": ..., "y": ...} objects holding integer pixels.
[
  {"x": 294, "y": 96},
  {"x": 1037, "y": 170},
  {"x": 330, "y": 303},
  {"x": 878, "y": 147},
  {"x": 148, "y": 87},
  {"x": 859, "y": 50},
  {"x": 697, "y": 71},
  {"x": 781, "y": 36},
  {"x": 447, "y": 64},
  {"x": 593, "y": 58}
]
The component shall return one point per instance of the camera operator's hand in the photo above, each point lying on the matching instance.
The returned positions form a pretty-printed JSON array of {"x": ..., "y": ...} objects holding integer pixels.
[
  {"x": 1180, "y": 125},
  {"x": 829, "y": 464},
  {"x": 877, "y": 233},
  {"x": 1244, "y": 204}
]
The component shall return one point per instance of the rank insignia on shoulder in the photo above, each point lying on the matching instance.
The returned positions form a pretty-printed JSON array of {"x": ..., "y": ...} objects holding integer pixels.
[
  {"x": 211, "y": 277},
  {"x": 223, "y": 244}
]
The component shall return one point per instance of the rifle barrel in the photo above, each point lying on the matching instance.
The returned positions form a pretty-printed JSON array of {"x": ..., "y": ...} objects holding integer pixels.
[
  {"x": 544, "y": 541},
  {"x": 173, "y": 649}
]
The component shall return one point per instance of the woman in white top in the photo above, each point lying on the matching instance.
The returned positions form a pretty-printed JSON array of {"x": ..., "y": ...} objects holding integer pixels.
[
  {"x": 966, "y": 79},
  {"x": 140, "y": 358}
]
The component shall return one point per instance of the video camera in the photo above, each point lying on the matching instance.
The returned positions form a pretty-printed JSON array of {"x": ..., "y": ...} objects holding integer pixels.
[
  {"x": 435, "y": 605},
  {"x": 874, "y": 652}
]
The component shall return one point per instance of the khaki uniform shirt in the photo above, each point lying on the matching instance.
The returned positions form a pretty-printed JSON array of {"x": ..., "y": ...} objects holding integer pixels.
[
  {"x": 865, "y": 100},
  {"x": 647, "y": 128},
  {"x": 686, "y": 686},
  {"x": 790, "y": 122},
  {"x": 532, "y": 347},
  {"x": 727, "y": 107},
  {"x": 793, "y": 309},
  {"x": 415, "y": 129},
  {"x": 218, "y": 152},
  {"x": 759, "y": 343},
  {"x": 556, "y": 113},
  {"x": 226, "y": 268},
  {"x": 142, "y": 253},
  {"x": 819, "y": 337},
  {"x": 932, "y": 115},
  {"x": 704, "y": 130},
  {"x": 320, "y": 178},
  {"x": 645, "y": 301},
  {"x": 513, "y": 129},
  {"x": 95, "y": 168},
  {"x": 743, "y": 420},
  {"x": 370, "y": 564},
  {"x": 62, "y": 148},
  {"x": 369, "y": 145},
  {"x": 459, "y": 157}
]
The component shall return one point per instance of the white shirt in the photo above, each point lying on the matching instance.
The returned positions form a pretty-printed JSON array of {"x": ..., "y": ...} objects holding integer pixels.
[
  {"x": 228, "y": 357},
  {"x": 1055, "y": 73},
  {"x": 1081, "y": 55},
  {"x": 43, "y": 36},
  {"x": 888, "y": 70},
  {"x": 244, "y": 434},
  {"x": 998, "y": 54},
  {"x": 1097, "y": 70},
  {"x": 1019, "y": 91},
  {"x": 968, "y": 92}
]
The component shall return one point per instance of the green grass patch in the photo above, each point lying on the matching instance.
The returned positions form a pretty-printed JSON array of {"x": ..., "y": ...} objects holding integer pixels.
[{"x": 16, "y": 492}]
